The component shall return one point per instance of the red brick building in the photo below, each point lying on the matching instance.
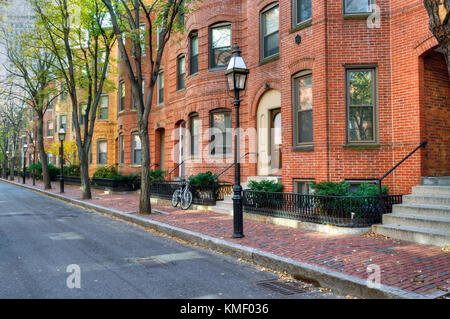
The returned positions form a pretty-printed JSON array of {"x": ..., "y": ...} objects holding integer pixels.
[{"x": 335, "y": 92}]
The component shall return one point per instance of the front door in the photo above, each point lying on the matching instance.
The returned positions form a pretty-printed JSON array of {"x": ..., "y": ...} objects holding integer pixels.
[
  {"x": 276, "y": 163},
  {"x": 181, "y": 151}
]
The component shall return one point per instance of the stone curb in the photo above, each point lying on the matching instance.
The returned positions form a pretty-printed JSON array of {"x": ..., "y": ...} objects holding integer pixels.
[{"x": 341, "y": 283}]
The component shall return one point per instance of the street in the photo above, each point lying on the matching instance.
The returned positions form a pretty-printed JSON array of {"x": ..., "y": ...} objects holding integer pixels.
[{"x": 49, "y": 249}]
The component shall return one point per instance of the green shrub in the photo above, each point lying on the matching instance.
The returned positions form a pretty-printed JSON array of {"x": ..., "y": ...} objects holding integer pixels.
[
  {"x": 266, "y": 186},
  {"x": 53, "y": 171},
  {"x": 72, "y": 170},
  {"x": 331, "y": 189},
  {"x": 157, "y": 175},
  {"x": 126, "y": 178},
  {"x": 106, "y": 172},
  {"x": 366, "y": 189},
  {"x": 38, "y": 169},
  {"x": 203, "y": 180}
]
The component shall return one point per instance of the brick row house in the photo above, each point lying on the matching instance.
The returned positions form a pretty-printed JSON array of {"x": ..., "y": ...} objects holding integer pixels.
[{"x": 338, "y": 90}]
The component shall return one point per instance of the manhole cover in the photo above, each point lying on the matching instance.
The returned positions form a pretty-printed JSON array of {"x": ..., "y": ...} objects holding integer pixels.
[{"x": 282, "y": 288}]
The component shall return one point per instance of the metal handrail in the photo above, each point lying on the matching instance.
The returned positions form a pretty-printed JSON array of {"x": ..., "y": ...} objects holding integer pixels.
[
  {"x": 176, "y": 168},
  {"x": 424, "y": 144},
  {"x": 229, "y": 167}
]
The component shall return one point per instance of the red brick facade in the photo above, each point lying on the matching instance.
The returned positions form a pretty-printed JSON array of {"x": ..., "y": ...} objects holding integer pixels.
[{"x": 412, "y": 91}]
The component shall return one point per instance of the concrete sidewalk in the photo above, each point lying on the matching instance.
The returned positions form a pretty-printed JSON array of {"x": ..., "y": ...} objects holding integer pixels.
[{"x": 340, "y": 262}]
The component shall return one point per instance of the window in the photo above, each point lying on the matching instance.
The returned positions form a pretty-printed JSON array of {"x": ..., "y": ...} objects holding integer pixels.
[
  {"x": 180, "y": 72},
  {"x": 133, "y": 104},
  {"x": 357, "y": 6},
  {"x": 303, "y": 109},
  {"x": 302, "y": 11},
  {"x": 220, "y": 46},
  {"x": 102, "y": 152},
  {"x": 136, "y": 149},
  {"x": 221, "y": 137},
  {"x": 83, "y": 107},
  {"x": 50, "y": 158},
  {"x": 361, "y": 102},
  {"x": 269, "y": 31},
  {"x": 194, "y": 129},
  {"x": 355, "y": 184},
  {"x": 63, "y": 122},
  {"x": 303, "y": 187},
  {"x": 160, "y": 88},
  {"x": 50, "y": 103},
  {"x": 121, "y": 96},
  {"x": 103, "y": 108},
  {"x": 49, "y": 128},
  {"x": 193, "y": 53},
  {"x": 121, "y": 150}
]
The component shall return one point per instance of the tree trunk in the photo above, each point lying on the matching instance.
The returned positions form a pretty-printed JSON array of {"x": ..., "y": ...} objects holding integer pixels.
[
  {"x": 5, "y": 167},
  {"x": 42, "y": 155},
  {"x": 11, "y": 168},
  {"x": 439, "y": 15},
  {"x": 84, "y": 175},
  {"x": 144, "y": 200}
]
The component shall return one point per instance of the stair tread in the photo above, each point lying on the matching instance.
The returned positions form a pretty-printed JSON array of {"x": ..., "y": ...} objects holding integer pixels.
[
  {"x": 416, "y": 230},
  {"x": 425, "y": 206},
  {"x": 429, "y": 195},
  {"x": 421, "y": 217}
]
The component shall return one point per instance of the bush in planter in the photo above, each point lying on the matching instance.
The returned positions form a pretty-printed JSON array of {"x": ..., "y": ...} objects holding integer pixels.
[
  {"x": 157, "y": 175},
  {"x": 72, "y": 170},
  {"x": 203, "y": 180},
  {"x": 38, "y": 169},
  {"x": 366, "y": 189},
  {"x": 53, "y": 172},
  {"x": 331, "y": 189},
  {"x": 106, "y": 172},
  {"x": 266, "y": 186}
]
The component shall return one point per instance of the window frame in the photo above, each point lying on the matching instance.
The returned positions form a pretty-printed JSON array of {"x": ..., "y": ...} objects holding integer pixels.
[
  {"x": 295, "y": 22},
  {"x": 52, "y": 130},
  {"x": 121, "y": 149},
  {"x": 122, "y": 96},
  {"x": 296, "y": 143},
  {"x": 225, "y": 146},
  {"x": 101, "y": 108},
  {"x": 375, "y": 120},
  {"x": 160, "y": 88},
  {"x": 99, "y": 142},
  {"x": 371, "y": 3},
  {"x": 194, "y": 35},
  {"x": 262, "y": 36},
  {"x": 181, "y": 77},
  {"x": 192, "y": 141},
  {"x": 134, "y": 149},
  {"x": 306, "y": 182},
  {"x": 210, "y": 48}
]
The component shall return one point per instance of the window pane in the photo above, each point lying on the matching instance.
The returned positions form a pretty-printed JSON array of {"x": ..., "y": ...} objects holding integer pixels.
[
  {"x": 194, "y": 45},
  {"x": 360, "y": 87},
  {"x": 271, "y": 45},
  {"x": 194, "y": 130},
  {"x": 121, "y": 149},
  {"x": 181, "y": 73},
  {"x": 270, "y": 21},
  {"x": 357, "y": 6},
  {"x": 304, "y": 10},
  {"x": 305, "y": 129},
  {"x": 305, "y": 93},
  {"x": 220, "y": 46},
  {"x": 361, "y": 124}
]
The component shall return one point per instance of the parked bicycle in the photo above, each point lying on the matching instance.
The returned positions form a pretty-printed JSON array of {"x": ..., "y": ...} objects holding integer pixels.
[{"x": 182, "y": 196}]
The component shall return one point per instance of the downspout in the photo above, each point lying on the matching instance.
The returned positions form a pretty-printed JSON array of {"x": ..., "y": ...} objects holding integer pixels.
[{"x": 327, "y": 94}]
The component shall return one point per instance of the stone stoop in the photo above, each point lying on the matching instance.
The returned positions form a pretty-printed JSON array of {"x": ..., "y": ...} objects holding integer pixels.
[
  {"x": 224, "y": 207},
  {"x": 424, "y": 217}
]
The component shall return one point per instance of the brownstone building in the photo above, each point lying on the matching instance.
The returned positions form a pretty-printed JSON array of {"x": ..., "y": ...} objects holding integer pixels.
[{"x": 338, "y": 90}]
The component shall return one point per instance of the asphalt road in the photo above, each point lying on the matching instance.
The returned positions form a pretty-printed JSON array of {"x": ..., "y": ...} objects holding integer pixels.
[{"x": 47, "y": 246}]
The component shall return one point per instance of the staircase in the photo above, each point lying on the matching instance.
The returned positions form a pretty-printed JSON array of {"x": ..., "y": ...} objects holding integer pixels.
[
  {"x": 225, "y": 206},
  {"x": 424, "y": 217}
]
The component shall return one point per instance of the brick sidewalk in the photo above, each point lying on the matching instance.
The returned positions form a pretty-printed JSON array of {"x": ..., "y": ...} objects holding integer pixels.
[{"x": 411, "y": 267}]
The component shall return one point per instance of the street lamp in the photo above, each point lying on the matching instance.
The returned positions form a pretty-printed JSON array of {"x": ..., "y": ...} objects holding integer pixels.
[
  {"x": 236, "y": 75},
  {"x": 62, "y": 137},
  {"x": 25, "y": 148}
]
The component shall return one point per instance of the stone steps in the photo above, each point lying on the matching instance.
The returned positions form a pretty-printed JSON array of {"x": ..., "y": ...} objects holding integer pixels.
[{"x": 424, "y": 217}]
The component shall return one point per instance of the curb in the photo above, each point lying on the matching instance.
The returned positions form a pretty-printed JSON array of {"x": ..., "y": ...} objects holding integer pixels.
[{"x": 339, "y": 282}]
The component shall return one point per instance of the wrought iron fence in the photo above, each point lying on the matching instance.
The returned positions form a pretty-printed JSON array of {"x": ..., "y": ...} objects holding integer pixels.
[
  {"x": 331, "y": 210},
  {"x": 206, "y": 195}
]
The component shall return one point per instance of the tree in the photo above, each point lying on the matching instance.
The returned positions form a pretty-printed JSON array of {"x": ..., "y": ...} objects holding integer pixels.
[
  {"x": 439, "y": 13},
  {"x": 162, "y": 18},
  {"x": 76, "y": 32},
  {"x": 31, "y": 76},
  {"x": 70, "y": 151}
]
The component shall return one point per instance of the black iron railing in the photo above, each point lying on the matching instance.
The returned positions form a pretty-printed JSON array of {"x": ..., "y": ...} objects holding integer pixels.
[
  {"x": 344, "y": 211},
  {"x": 380, "y": 181},
  {"x": 206, "y": 195}
]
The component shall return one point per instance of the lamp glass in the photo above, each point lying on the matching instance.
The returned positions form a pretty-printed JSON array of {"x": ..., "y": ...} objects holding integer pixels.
[{"x": 62, "y": 134}]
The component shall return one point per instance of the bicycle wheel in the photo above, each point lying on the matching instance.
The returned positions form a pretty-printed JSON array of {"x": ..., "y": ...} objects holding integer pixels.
[
  {"x": 186, "y": 200},
  {"x": 176, "y": 198}
]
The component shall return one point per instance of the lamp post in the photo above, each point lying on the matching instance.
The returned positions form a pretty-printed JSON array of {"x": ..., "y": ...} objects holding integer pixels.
[
  {"x": 34, "y": 164},
  {"x": 25, "y": 148},
  {"x": 62, "y": 137},
  {"x": 236, "y": 75}
]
